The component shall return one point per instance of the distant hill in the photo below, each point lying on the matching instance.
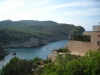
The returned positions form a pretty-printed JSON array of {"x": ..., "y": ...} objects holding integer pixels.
[
  {"x": 10, "y": 23},
  {"x": 26, "y": 30}
]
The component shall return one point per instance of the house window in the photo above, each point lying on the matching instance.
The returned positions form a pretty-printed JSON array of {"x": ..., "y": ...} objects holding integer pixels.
[{"x": 98, "y": 43}]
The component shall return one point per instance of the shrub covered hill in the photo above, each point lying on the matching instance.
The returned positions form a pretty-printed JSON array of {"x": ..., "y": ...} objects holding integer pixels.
[{"x": 31, "y": 33}]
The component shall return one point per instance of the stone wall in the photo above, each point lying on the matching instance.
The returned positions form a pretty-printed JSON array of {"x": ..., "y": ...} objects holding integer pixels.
[{"x": 81, "y": 47}]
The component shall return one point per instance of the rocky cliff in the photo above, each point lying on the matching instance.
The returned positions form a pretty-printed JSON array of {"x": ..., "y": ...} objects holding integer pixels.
[
  {"x": 2, "y": 53},
  {"x": 33, "y": 42}
]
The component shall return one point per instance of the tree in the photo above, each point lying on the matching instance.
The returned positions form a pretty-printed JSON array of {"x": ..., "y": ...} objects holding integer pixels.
[
  {"x": 85, "y": 65},
  {"x": 17, "y": 67},
  {"x": 78, "y": 30},
  {"x": 73, "y": 65}
]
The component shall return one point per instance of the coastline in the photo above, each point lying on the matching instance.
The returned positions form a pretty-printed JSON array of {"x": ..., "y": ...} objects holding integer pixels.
[{"x": 33, "y": 43}]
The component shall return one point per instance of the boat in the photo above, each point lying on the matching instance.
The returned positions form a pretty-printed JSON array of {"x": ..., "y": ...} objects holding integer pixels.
[{"x": 14, "y": 53}]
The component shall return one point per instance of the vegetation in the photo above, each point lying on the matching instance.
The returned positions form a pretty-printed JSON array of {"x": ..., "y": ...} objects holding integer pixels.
[
  {"x": 78, "y": 30},
  {"x": 63, "y": 50},
  {"x": 72, "y": 65},
  {"x": 67, "y": 64},
  {"x": 19, "y": 31},
  {"x": 18, "y": 66},
  {"x": 84, "y": 38}
]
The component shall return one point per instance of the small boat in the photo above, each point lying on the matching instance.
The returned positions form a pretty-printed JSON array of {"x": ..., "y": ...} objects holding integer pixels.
[
  {"x": 47, "y": 47},
  {"x": 14, "y": 53}
]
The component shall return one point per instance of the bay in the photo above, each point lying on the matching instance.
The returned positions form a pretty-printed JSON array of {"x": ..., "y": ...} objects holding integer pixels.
[{"x": 30, "y": 53}]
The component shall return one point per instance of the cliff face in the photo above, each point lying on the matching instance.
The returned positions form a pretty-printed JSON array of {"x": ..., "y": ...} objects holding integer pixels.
[
  {"x": 2, "y": 53},
  {"x": 33, "y": 42}
]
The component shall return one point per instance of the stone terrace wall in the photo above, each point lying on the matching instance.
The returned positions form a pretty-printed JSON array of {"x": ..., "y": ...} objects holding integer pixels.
[{"x": 80, "y": 47}]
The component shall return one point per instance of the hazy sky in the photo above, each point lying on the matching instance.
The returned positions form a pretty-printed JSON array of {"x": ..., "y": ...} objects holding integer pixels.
[{"x": 78, "y": 12}]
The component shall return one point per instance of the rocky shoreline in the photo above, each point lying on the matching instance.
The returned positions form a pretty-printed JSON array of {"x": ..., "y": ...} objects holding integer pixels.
[
  {"x": 33, "y": 42},
  {"x": 3, "y": 53}
]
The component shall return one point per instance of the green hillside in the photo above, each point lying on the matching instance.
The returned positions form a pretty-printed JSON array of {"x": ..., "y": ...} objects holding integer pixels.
[{"x": 23, "y": 30}]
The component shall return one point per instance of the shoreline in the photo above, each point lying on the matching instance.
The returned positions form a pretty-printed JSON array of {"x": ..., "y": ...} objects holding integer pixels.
[{"x": 34, "y": 46}]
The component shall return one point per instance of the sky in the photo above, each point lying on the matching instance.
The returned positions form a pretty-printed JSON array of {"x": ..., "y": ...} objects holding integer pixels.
[{"x": 85, "y": 13}]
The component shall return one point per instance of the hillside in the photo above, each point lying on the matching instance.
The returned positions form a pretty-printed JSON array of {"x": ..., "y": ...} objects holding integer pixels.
[{"x": 31, "y": 33}]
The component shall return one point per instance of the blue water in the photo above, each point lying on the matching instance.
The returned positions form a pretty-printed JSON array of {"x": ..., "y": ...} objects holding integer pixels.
[{"x": 30, "y": 53}]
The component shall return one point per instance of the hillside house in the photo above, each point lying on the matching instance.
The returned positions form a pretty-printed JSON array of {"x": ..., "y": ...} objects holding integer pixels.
[{"x": 90, "y": 40}]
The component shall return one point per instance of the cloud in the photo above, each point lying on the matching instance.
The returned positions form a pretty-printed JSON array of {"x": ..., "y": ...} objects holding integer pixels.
[
  {"x": 82, "y": 12},
  {"x": 9, "y": 5},
  {"x": 42, "y": 2},
  {"x": 74, "y": 4}
]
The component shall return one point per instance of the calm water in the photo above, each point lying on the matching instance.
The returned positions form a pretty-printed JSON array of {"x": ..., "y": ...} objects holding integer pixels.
[{"x": 30, "y": 53}]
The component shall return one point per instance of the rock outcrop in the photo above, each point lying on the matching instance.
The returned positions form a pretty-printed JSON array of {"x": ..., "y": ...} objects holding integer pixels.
[
  {"x": 33, "y": 42},
  {"x": 52, "y": 56},
  {"x": 2, "y": 53}
]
